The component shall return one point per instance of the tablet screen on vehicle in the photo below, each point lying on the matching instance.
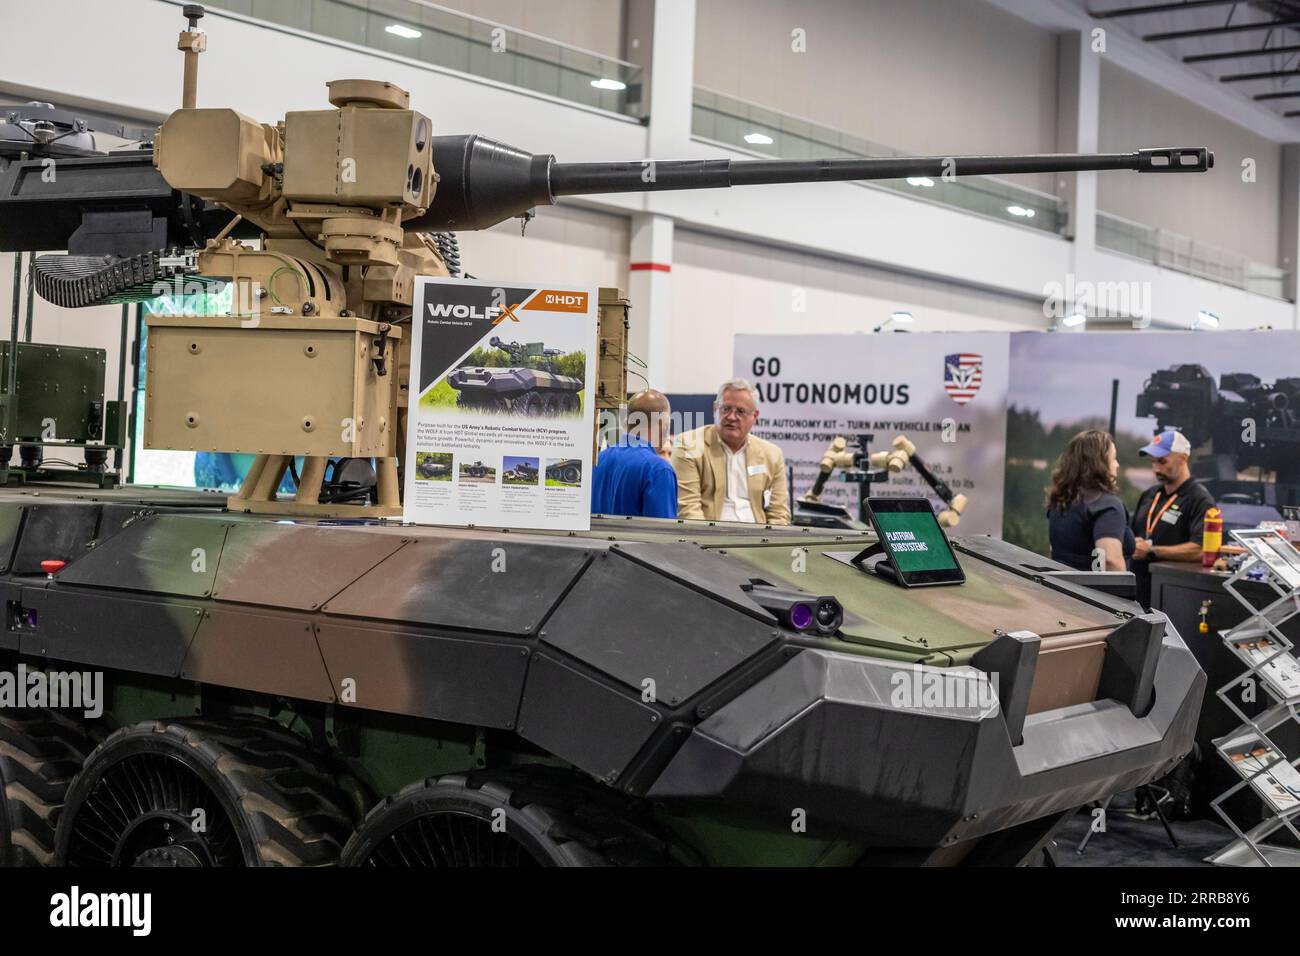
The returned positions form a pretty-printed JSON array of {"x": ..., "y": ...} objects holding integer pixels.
[{"x": 910, "y": 534}]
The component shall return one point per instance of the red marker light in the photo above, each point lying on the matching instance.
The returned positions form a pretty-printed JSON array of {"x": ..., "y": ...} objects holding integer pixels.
[{"x": 52, "y": 567}]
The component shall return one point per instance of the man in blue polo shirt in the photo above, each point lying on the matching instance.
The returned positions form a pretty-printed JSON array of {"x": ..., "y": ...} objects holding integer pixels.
[{"x": 631, "y": 478}]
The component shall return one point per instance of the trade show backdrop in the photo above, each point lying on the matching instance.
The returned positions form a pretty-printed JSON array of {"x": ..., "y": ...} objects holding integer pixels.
[
  {"x": 928, "y": 387},
  {"x": 1209, "y": 384},
  {"x": 1016, "y": 399}
]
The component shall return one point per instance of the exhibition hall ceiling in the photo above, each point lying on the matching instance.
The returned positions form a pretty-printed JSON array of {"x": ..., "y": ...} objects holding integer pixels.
[{"x": 1251, "y": 48}]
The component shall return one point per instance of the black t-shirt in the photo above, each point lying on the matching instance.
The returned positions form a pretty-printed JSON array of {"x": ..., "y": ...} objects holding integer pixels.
[
  {"x": 1074, "y": 533},
  {"x": 1172, "y": 519}
]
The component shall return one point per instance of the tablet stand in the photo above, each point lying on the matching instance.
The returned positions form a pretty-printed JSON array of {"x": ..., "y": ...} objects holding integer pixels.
[{"x": 877, "y": 558}]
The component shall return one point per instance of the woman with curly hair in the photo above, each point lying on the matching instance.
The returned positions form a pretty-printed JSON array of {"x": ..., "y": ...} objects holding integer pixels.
[{"x": 1085, "y": 515}]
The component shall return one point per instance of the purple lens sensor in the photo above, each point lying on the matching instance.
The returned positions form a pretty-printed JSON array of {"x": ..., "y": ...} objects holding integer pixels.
[{"x": 801, "y": 616}]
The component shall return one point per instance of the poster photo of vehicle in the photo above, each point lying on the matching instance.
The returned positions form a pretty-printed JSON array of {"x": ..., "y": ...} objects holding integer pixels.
[{"x": 499, "y": 374}]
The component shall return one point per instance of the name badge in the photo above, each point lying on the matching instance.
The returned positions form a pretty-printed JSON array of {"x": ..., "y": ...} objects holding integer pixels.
[
  {"x": 1171, "y": 517},
  {"x": 757, "y": 469}
]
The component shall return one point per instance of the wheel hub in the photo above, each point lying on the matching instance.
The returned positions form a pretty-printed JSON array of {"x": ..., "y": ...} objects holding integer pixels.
[
  {"x": 162, "y": 838},
  {"x": 168, "y": 856}
]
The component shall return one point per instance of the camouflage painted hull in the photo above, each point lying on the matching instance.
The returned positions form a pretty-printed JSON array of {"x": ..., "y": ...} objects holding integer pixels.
[{"x": 631, "y": 654}]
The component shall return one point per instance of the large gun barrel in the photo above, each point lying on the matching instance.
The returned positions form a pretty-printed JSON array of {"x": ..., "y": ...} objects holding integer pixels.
[
  {"x": 571, "y": 179},
  {"x": 483, "y": 182}
]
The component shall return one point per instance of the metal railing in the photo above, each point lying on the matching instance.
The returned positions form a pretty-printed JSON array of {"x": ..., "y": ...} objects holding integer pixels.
[
  {"x": 730, "y": 121},
  {"x": 457, "y": 41},
  {"x": 1170, "y": 250}
]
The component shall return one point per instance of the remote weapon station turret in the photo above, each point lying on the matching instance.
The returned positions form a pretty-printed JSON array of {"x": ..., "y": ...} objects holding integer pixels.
[{"x": 362, "y": 691}]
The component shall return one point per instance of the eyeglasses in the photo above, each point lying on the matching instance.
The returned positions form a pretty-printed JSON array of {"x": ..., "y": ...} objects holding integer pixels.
[{"x": 725, "y": 410}]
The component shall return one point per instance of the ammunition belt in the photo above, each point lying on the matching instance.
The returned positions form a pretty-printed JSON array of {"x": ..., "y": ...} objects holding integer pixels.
[{"x": 76, "y": 282}]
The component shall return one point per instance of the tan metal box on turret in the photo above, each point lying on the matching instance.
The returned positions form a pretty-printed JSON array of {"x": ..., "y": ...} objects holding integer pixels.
[
  {"x": 217, "y": 153},
  {"x": 290, "y": 386},
  {"x": 379, "y": 157}
]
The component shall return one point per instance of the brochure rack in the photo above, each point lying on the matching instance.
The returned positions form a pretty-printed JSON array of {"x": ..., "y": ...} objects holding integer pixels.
[{"x": 1272, "y": 675}]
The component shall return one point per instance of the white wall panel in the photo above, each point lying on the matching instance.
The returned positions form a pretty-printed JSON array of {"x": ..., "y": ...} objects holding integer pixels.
[
  {"x": 938, "y": 77},
  {"x": 723, "y": 287},
  {"x": 595, "y": 25},
  {"x": 123, "y": 55},
  {"x": 563, "y": 244},
  {"x": 1217, "y": 207}
]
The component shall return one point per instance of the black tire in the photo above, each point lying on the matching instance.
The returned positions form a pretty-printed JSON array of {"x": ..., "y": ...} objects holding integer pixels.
[
  {"x": 571, "y": 476},
  {"x": 267, "y": 800},
  {"x": 529, "y": 405},
  {"x": 544, "y": 816},
  {"x": 40, "y": 753}
]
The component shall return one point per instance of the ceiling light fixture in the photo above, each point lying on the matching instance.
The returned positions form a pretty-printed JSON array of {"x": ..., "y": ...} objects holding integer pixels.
[
  {"x": 895, "y": 318},
  {"x": 406, "y": 33}
]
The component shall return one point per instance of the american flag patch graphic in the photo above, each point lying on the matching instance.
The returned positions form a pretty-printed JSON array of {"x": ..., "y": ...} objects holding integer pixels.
[{"x": 962, "y": 375}]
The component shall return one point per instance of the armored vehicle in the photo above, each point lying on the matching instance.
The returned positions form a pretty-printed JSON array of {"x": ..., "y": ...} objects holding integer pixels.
[
  {"x": 569, "y": 471},
  {"x": 476, "y": 470},
  {"x": 319, "y": 684},
  {"x": 525, "y": 389},
  {"x": 525, "y": 471},
  {"x": 429, "y": 468}
]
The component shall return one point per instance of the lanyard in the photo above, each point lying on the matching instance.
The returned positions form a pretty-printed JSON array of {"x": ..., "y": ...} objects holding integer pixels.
[{"x": 1153, "y": 515}]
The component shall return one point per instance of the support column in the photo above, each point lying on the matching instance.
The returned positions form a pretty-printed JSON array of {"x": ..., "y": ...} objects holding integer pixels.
[
  {"x": 670, "y": 77},
  {"x": 1079, "y": 115},
  {"x": 1288, "y": 244},
  {"x": 650, "y": 291}
]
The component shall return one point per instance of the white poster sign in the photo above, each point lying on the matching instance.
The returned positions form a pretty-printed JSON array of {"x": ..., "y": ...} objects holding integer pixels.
[
  {"x": 500, "y": 423},
  {"x": 945, "y": 392}
]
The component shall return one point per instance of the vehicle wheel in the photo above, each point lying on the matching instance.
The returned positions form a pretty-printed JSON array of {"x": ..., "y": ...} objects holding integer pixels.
[
  {"x": 571, "y": 475},
  {"x": 529, "y": 404},
  {"x": 40, "y": 752},
  {"x": 265, "y": 799},
  {"x": 552, "y": 404},
  {"x": 521, "y": 817}
]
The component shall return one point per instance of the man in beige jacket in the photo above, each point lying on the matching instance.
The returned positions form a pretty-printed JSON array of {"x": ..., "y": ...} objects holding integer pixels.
[{"x": 726, "y": 474}]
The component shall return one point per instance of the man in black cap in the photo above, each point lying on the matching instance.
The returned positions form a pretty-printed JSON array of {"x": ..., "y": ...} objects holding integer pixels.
[{"x": 1170, "y": 515}]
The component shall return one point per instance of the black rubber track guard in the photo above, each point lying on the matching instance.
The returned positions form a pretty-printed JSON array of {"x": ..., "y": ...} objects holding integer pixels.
[{"x": 40, "y": 752}]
